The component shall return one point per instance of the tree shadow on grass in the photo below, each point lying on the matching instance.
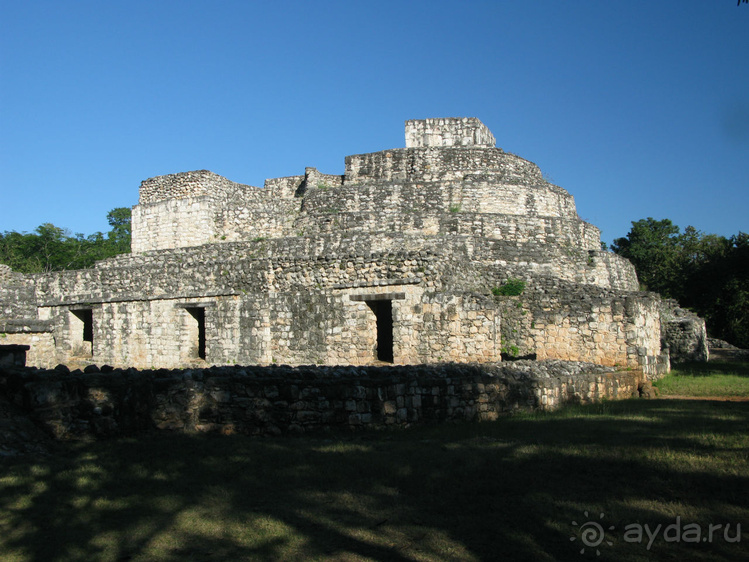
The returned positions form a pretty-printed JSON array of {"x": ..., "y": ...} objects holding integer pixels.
[
  {"x": 705, "y": 369},
  {"x": 488, "y": 491}
]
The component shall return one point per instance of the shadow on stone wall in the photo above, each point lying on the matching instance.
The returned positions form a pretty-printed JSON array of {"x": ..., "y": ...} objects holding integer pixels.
[{"x": 277, "y": 400}]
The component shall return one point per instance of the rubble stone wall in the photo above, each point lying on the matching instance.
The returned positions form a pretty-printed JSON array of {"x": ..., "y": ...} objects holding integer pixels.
[
  {"x": 684, "y": 333},
  {"x": 304, "y": 300},
  {"x": 440, "y": 164},
  {"x": 280, "y": 400},
  {"x": 198, "y": 183},
  {"x": 468, "y": 200},
  {"x": 450, "y": 131},
  {"x": 326, "y": 261},
  {"x": 557, "y": 320},
  {"x": 317, "y": 312}
]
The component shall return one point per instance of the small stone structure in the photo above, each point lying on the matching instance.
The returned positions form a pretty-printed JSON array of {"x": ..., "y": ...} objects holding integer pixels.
[
  {"x": 684, "y": 333},
  {"x": 396, "y": 261},
  {"x": 13, "y": 355}
]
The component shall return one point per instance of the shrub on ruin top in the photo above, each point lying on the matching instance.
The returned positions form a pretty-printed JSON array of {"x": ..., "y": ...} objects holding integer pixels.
[{"x": 512, "y": 288}]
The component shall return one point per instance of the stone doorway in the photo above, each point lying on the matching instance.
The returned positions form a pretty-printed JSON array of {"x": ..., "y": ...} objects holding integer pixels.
[
  {"x": 383, "y": 311},
  {"x": 197, "y": 330},
  {"x": 82, "y": 332}
]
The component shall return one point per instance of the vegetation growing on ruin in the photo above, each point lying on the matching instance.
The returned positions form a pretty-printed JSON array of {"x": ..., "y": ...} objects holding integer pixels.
[{"x": 511, "y": 288}]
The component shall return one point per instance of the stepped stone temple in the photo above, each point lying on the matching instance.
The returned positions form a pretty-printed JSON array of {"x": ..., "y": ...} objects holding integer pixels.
[{"x": 402, "y": 259}]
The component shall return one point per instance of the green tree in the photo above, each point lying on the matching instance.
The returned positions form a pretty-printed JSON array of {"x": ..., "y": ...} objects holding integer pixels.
[
  {"x": 705, "y": 272},
  {"x": 121, "y": 233},
  {"x": 50, "y": 248},
  {"x": 652, "y": 247},
  {"x": 718, "y": 288}
]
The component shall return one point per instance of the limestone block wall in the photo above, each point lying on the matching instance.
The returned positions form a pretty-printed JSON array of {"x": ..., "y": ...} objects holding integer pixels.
[
  {"x": 482, "y": 193},
  {"x": 296, "y": 186},
  {"x": 6, "y": 274},
  {"x": 270, "y": 212},
  {"x": 300, "y": 263},
  {"x": 287, "y": 187},
  {"x": 195, "y": 208},
  {"x": 341, "y": 328},
  {"x": 450, "y": 131},
  {"x": 310, "y": 301},
  {"x": 233, "y": 268},
  {"x": 20, "y": 322},
  {"x": 611, "y": 270},
  {"x": 412, "y": 186},
  {"x": 284, "y": 400},
  {"x": 41, "y": 353},
  {"x": 264, "y": 309},
  {"x": 329, "y": 214},
  {"x": 17, "y": 299},
  {"x": 439, "y": 164},
  {"x": 313, "y": 178},
  {"x": 152, "y": 332},
  {"x": 238, "y": 219},
  {"x": 529, "y": 258},
  {"x": 325, "y": 264},
  {"x": 558, "y": 320},
  {"x": 173, "y": 223},
  {"x": 644, "y": 334},
  {"x": 291, "y": 328},
  {"x": 684, "y": 333},
  {"x": 417, "y": 205}
]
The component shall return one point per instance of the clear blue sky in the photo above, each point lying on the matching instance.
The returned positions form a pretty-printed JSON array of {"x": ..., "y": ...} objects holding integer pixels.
[{"x": 638, "y": 108}]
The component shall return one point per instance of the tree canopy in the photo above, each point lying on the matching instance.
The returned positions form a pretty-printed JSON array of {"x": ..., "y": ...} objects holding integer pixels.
[
  {"x": 705, "y": 272},
  {"x": 51, "y": 248}
]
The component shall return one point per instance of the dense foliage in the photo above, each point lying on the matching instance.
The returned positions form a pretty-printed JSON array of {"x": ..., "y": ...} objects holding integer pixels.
[
  {"x": 705, "y": 272},
  {"x": 512, "y": 288},
  {"x": 50, "y": 248}
]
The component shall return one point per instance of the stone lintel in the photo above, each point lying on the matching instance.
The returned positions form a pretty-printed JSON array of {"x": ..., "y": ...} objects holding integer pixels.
[
  {"x": 378, "y": 297},
  {"x": 194, "y": 304}
]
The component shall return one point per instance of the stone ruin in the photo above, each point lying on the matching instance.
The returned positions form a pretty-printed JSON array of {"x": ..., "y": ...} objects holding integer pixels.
[{"x": 400, "y": 260}]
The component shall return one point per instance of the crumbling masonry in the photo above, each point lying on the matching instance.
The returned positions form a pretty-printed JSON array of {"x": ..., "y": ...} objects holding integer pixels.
[{"x": 392, "y": 262}]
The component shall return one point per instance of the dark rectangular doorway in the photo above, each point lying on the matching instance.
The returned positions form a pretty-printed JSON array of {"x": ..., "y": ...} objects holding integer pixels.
[
  {"x": 85, "y": 323},
  {"x": 198, "y": 313},
  {"x": 383, "y": 311}
]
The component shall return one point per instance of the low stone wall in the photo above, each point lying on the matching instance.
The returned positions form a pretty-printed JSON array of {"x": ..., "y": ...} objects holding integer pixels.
[
  {"x": 683, "y": 333},
  {"x": 276, "y": 400}
]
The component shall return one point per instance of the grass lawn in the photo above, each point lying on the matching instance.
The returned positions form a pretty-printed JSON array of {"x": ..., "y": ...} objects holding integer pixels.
[
  {"x": 706, "y": 379},
  {"x": 503, "y": 490}
]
